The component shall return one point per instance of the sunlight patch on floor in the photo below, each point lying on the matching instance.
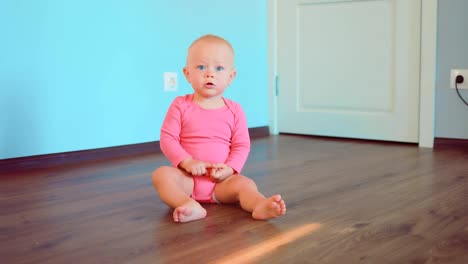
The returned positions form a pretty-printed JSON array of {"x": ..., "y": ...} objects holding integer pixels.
[{"x": 251, "y": 253}]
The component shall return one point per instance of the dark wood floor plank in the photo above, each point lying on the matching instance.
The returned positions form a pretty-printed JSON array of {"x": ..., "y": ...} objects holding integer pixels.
[{"x": 369, "y": 202}]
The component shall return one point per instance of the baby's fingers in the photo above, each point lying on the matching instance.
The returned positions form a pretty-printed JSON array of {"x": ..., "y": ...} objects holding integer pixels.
[
  {"x": 198, "y": 171},
  {"x": 217, "y": 166}
]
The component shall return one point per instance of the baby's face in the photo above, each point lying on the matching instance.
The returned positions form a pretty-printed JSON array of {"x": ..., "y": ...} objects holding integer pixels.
[{"x": 210, "y": 68}]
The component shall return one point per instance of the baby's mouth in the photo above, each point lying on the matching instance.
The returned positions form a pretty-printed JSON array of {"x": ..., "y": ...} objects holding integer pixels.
[{"x": 209, "y": 84}]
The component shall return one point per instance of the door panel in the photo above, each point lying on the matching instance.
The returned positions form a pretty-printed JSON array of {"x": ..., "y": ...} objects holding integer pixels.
[{"x": 349, "y": 68}]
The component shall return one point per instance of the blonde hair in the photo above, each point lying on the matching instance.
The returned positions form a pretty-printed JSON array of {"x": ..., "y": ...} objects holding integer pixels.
[{"x": 212, "y": 38}]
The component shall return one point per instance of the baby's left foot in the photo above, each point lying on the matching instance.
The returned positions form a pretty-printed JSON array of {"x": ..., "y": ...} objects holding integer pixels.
[{"x": 270, "y": 207}]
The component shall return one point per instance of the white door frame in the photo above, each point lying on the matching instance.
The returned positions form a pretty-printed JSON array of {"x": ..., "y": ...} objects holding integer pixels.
[{"x": 427, "y": 74}]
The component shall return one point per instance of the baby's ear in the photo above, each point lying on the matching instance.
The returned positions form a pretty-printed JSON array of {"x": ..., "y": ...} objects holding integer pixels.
[
  {"x": 233, "y": 74},
  {"x": 186, "y": 73}
]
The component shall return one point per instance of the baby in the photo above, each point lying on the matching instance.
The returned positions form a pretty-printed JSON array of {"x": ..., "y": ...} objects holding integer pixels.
[{"x": 205, "y": 137}]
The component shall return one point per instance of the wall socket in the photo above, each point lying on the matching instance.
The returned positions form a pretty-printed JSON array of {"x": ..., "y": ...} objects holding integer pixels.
[
  {"x": 170, "y": 81},
  {"x": 453, "y": 75}
]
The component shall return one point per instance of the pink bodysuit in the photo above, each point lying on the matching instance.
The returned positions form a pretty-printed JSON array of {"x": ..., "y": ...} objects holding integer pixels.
[{"x": 210, "y": 135}]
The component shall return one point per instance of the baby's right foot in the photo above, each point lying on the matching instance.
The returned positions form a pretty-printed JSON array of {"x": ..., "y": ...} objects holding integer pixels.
[
  {"x": 189, "y": 211},
  {"x": 271, "y": 207}
]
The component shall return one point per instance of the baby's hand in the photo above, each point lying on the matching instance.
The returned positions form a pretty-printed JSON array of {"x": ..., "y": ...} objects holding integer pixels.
[
  {"x": 195, "y": 167},
  {"x": 220, "y": 171}
]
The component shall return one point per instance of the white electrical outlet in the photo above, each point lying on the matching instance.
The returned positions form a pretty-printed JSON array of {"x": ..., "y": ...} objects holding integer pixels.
[
  {"x": 453, "y": 75},
  {"x": 170, "y": 81}
]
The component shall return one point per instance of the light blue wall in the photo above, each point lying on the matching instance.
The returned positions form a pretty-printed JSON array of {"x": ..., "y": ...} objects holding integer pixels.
[
  {"x": 87, "y": 74},
  {"x": 452, "y": 53}
]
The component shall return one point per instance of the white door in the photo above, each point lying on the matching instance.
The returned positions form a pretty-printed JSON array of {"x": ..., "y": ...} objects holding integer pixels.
[{"x": 349, "y": 68}]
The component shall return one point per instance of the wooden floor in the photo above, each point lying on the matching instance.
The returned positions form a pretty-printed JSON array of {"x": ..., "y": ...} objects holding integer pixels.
[{"x": 348, "y": 202}]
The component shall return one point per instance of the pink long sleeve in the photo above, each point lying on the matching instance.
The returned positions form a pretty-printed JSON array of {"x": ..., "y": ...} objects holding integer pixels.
[
  {"x": 211, "y": 135},
  {"x": 170, "y": 134},
  {"x": 240, "y": 141}
]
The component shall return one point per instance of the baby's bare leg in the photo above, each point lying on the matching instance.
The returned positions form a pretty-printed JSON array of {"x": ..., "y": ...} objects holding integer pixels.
[
  {"x": 174, "y": 188},
  {"x": 238, "y": 188}
]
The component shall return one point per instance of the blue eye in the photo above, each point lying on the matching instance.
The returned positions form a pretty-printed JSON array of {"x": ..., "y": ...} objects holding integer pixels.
[
  {"x": 201, "y": 67},
  {"x": 219, "y": 68}
]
